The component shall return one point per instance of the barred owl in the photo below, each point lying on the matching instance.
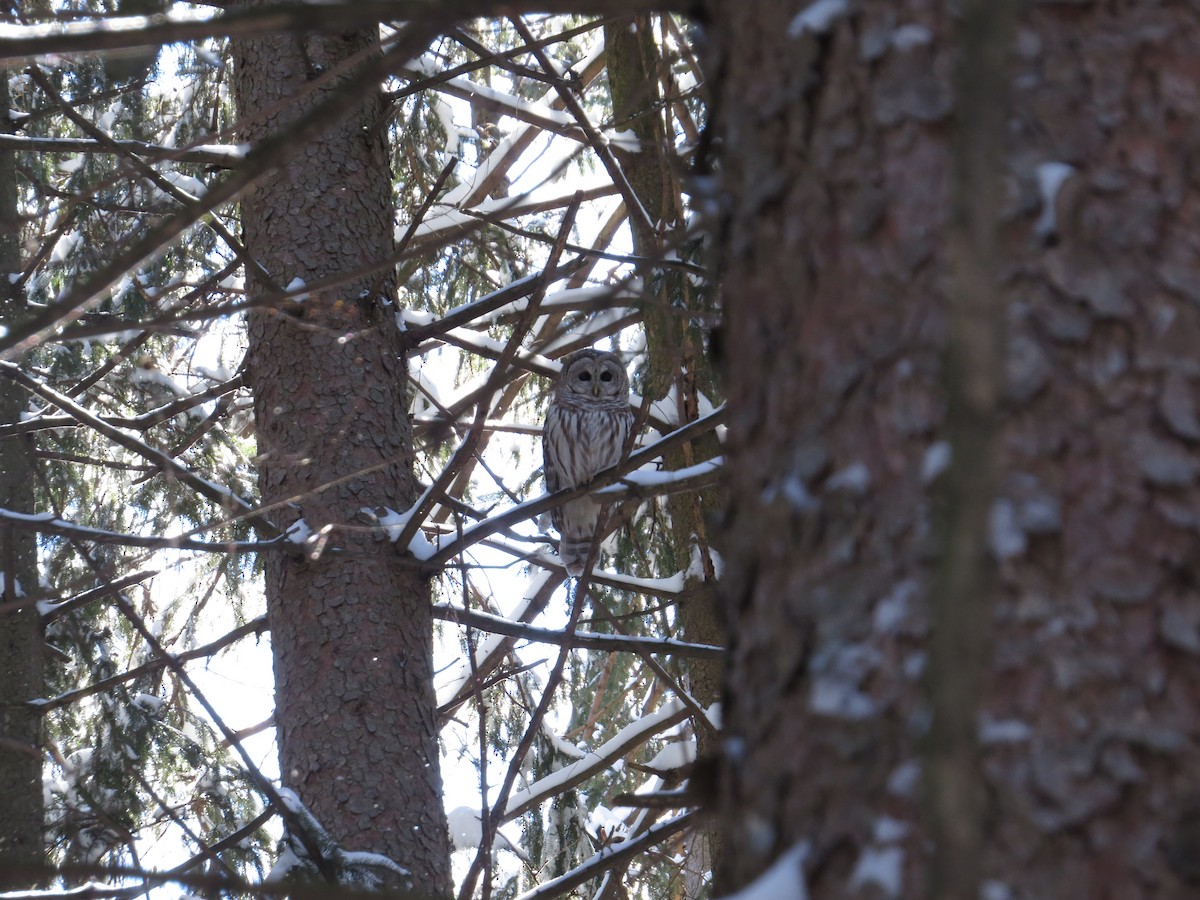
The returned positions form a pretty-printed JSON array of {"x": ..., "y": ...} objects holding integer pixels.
[{"x": 586, "y": 427}]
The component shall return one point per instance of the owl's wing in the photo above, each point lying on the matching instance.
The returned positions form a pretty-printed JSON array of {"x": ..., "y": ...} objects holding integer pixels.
[{"x": 550, "y": 467}]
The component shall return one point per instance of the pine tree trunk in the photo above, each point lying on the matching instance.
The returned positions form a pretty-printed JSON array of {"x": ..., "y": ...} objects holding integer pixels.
[
  {"x": 676, "y": 359},
  {"x": 351, "y": 626},
  {"x": 21, "y": 660},
  {"x": 847, "y": 248}
]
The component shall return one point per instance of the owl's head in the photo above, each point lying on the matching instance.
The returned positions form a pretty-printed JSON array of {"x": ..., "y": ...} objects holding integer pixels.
[{"x": 593, "y": 378}]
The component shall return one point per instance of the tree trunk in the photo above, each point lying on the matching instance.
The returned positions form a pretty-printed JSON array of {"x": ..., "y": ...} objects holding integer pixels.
[
  {"x": 845, "y": 261},
  {"x": 21, "y": 661},
  {"x": 351, "y": 625},
  {"x": 676, "y": 360}
]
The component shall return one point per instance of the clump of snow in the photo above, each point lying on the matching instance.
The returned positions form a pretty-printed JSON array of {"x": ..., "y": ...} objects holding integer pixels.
[
  {"x": 1005, "y": 535},
  {"x": 695, "y": 569},
  {"x": 673, "y": 756},
  {"x": 905, "y": 779},
  {"x": 1050, "y": 179},
  {"x": 193, "y": 187},
  {"x": 466, "y": 831},
  {"x": 995, "y": 890},
  {"x": 18, "y": 591},
  {"x": 713, "y": 714},
  {"x": 936, "y": 461},
  {"x": 1003, "y": 731},
  {"x": 879, "y": 866},
  {"x": 794, "y": 490},
  {"x": 783, "y": 881},
  {"x": 351, "y": 868},
  {"x": 394, "y": 523},
  {"x": 149, "y": 702},
  {"x": 854, "y": 479},
  {"x": 818, "y": 17},
  {"x": 141, "y": 375},
  {"x": 65, "y": 246},
  {"x": 623, "y": 140},
  {"x": 837, "y": 676},
  {"x": 891, "y": 611},
  {"x": 296, "y": 287},
  {"x": 911, "y": 36},
  {"x": 298, "y": 532},
  {"x": 887, "y": 830}
]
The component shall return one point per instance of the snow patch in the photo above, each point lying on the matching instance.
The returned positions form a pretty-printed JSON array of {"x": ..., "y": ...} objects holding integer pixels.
[
  {"x": 393, "y": 523},
  {"x": 1003, "y": 731},
  {"x": 783, "y": 881},
  {"x": 818, "y": 18},
  {"x": 1050, "y": 178},
  {"x": 673, "y": 756},
  {"x": 838, "y": 674},
  {"x": 892, "y": 609},
  {"x": 909, "y": 37},
  {"x": 298, "y": 532},
  {"x": 905, "y": 779},
  {"x": 879, "y": 866},
  {"x": 854, "y": 479},
  {"x": 18, "y": 591},
  {"x": 1005, "y": 535},
  {"x": 935, "y": 461}
]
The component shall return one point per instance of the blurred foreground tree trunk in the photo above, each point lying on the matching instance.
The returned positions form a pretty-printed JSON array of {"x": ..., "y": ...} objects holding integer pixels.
[
  {"x": 21, "y": 660},
  {"x": 1057, "y": 745},
  {"x": 351, "y": 626}
]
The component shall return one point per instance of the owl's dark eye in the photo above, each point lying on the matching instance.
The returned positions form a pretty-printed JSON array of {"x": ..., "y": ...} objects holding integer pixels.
[
  {"x": 585, "y": 376},
  {"x": 606, "y": 375}
]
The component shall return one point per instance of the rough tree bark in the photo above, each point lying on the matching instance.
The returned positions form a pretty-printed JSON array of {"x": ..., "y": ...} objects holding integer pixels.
[
  {"x": 21, "y": 660},
  {"x": 351, "y": 630},
  {"x": 838, "y": 139}
]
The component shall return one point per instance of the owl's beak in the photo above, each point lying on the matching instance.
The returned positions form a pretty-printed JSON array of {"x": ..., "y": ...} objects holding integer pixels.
[{"x": 596, "y": 390}]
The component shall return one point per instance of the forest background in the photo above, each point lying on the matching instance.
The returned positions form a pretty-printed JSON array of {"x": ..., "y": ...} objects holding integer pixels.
[{"x": 900, "y": 574}]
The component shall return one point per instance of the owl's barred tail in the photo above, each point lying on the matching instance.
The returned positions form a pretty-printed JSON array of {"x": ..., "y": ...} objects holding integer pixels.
[{"x": 574, "y": 553}]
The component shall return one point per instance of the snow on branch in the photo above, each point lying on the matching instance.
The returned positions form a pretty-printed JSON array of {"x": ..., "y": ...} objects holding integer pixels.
[
  {"x": 350, "y": 868},
  {"x": 546, "y": 502},
  {"x": 216, "y": 493},
  {"x": 591, "y": 640},
  {"x": 465, "y": 313},
  {"x": 256, "y": 627},
  {"x": 652, "y": 482},
  {"x": 220, "y": 155},
  {"x": 631, "y": 736},
  {"x": 126, "y": 32},
  {"x": 610, "y": 856}
]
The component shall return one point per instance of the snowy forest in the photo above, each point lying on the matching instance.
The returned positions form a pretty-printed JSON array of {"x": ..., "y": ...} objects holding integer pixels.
[{"x": 891, "y": 594}]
